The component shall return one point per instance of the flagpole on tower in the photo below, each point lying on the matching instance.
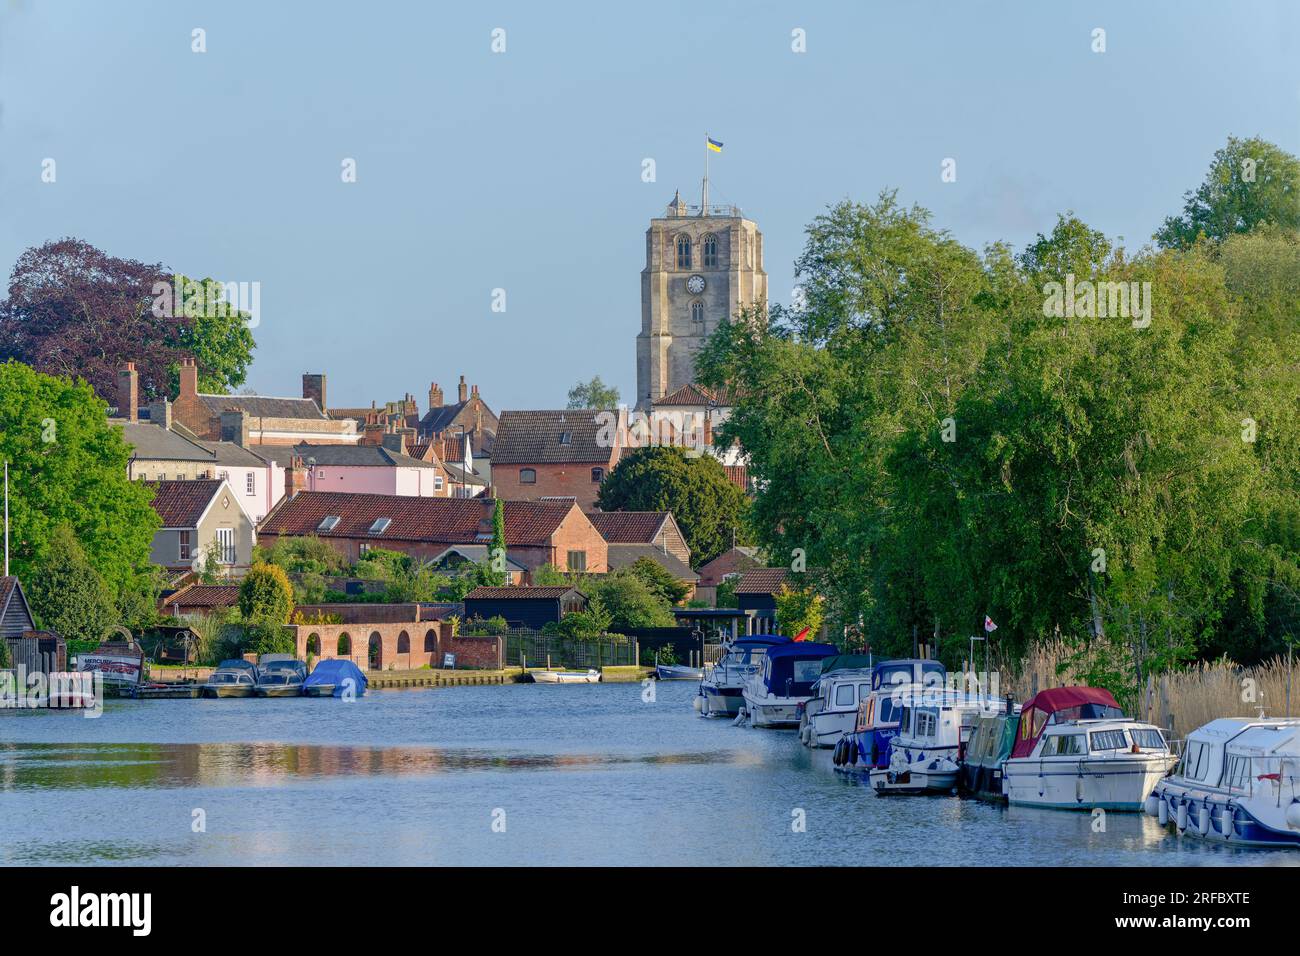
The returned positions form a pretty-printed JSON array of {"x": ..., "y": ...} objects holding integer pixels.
[{"x": 704, "y": 193}]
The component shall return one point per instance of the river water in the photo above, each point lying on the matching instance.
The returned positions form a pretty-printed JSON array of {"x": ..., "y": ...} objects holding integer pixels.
[{"x": 520, "y": 774}]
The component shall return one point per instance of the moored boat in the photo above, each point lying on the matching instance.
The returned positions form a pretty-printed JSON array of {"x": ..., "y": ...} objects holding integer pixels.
[
  {"x": 678, "y": 672},
  {"x": 832, "y": 711},
  {"x": 866, "y": 747},
  {"x": 933, "y": 729},
  {"x": 335, "y": 677},
  {"x": 232, "y": 678},
  {"x": 773, "y": 695},
  {"x": 280, "y": 675},
  {"x": 1075, "y": 750},
  {"x": 723, "y": 683},
  {"x": 986, "y": 751},
  {"x": 1238, "y": 782},
  {"x": 566, "y": 677}
]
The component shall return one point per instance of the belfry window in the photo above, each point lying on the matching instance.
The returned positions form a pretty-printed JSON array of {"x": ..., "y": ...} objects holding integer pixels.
[
  {"x": 710, "y": 253},
  {"x": 697, "y": 311},
  {"x": 683, "y": 252}
]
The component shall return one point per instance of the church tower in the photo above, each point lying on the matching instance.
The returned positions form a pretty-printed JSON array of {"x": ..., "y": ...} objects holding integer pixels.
[{"x": 703, "y": 264}]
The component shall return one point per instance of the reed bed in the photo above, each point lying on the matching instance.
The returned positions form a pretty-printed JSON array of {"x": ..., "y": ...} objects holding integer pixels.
[{"x": 1179, "y": 701}]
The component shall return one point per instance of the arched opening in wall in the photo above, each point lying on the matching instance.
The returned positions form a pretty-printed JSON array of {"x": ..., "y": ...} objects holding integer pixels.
[
  {"x": 313, "y": 645},
  {"x": 376, "y": 650},
  {"x": 404, "y": 647},
  {"x": 345, "y": 645},
  {"x": 430, "y": 641}
]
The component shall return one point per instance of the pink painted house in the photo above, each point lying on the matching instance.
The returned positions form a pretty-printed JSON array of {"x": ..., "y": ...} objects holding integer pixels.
[{"x": 362, "y": 469}]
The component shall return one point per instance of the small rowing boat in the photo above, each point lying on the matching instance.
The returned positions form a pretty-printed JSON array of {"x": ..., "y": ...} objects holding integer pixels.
[{"x": 566, "y": 677}]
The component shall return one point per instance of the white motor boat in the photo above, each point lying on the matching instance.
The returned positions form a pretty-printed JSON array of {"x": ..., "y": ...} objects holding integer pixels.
[
  {"x": 1075, "y": 750},
  {"x": 723, "y": 683},
  {"x": 1238, "y": 782},
  {"x": 772, "y": 696},
  {"x": 678, "y": 672},
  {"x": 833, "y": 710},
  {"x": 566, "y": 677},
  {"x": 933, "y": 728}
]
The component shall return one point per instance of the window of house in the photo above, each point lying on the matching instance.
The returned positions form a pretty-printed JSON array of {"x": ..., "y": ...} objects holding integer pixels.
[
  {"x": 710, "y": 252},
  {"x": 328, "y": 523},
  {"x": 683, "y": 252},
  {"x": 250, "y": 483},
  {"x": 437, "y": 482},
  {"x": 363, "y": 547},
  {"x": 598, "y": 475},
  {"x": 184, "y": 550},
  {"x": 566, "y": 438},
  {"x": 527, "y": 476},
  {"x": 226, "y": 545},
  {"x": 223, "y": 475},
  {"x": 697, "y": 311},
  {"x": 577, "y": 561}
]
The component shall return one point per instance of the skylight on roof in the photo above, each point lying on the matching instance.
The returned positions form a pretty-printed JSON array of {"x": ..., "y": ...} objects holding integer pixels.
[
  {"x": 380, "y": 525},
  {"x": 328, "y": 523},
  {"x": 566, "y": 438}
]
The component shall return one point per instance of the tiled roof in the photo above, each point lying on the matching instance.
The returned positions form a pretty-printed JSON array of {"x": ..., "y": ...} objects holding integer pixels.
[
  {"x": 535, "y": 437},
  {"x": 547, "y": 592},
  {"x": 372, "y": 456},
  {"x": 623, "y": 555},
  {"x": 738, "y": 475},
  {"x": 412, "y": 518},
  {"x": 762, "y": 581},
  {"x": 692, "y": 394},
  {"x": 204, "y": 595},
  {"x": 155, "y": 443},
  {"x": 437, "y": 419},
  {"x": 181, "y": 504},
  {"x": 729, "y": 562},
  {"x": 264, "y": 406},
  {"x": 628, "y": 527}
]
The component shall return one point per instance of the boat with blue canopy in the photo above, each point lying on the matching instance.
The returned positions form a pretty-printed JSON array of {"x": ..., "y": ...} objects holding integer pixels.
[
  {"x": 723, "y": 682},
  {"x": 335, "y": 677},
  {"x": 773, "y": 695}
]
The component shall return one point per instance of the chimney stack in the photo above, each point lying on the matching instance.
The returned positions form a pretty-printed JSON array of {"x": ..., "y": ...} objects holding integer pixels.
[
  {"x": 295, "y": 477},
  {"x": 128, "y": 393},
  {"x": 394, "y": 441},
  {"x": 160, "y": 413},
  {"x": 435, "y": 396},
  {"x": 189, "y": 377},
  {"x": 313, "y": 386},
  {"x": 234, "y": 427},
  {"x": 372, "y": 434},
  {"x": 461, "y": 390}
]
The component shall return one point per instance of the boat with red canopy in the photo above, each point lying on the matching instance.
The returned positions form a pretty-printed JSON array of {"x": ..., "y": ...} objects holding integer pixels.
[{"x": 1076, "y": 750}]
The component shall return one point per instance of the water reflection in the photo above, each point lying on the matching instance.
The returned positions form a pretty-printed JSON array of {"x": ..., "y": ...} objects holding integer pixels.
[{"x": 30, "y": 766}]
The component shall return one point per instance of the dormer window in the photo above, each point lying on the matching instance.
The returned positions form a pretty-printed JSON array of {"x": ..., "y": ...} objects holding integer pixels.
[
  {"x": 380, "y": 525},
  {"x": 683, "y": 252},
  {"x": 328, "y": 523}
]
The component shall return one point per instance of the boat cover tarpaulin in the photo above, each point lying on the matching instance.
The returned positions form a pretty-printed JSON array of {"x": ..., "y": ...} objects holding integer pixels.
[
  {"x": 760, "y": 640},
  {"x": 335, "y": 671},
  {"x": 791, "y": 669},
  {"x": 1067, "y": 703}
]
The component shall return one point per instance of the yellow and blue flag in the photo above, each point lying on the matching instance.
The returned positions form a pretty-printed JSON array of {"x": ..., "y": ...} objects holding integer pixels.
[{"x": 713, "y": 144}]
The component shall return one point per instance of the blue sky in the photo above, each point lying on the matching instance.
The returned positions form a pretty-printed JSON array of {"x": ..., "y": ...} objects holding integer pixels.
[{"x": 522, "y": 170}]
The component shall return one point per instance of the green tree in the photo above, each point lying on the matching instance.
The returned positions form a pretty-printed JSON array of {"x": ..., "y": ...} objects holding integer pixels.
[
  {"x": 497, "y": 551},
  {"x": 629, "y": 601},
  {"x": 67, "y": 466},
  {"x": 660, "y": 580},
  {"x": 708, "y": 508},
  {"x": 265, "y": 595},
  {"x": 594, "y": 394},
  {"x": 798, "y": 609},
  {"x": 1250, "y": 181},
  {"x": 67, "y": 594},
  {"x": 219, "y": 337}
]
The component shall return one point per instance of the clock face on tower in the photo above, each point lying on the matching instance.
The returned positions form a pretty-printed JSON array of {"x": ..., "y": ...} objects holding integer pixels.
[{"x": 695, "y": 285}]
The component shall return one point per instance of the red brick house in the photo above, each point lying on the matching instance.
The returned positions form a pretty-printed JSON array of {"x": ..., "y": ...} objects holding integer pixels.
[
  {"x": 469, "y": 416},
  {"x": 656, "y": 528},
  {"x": 555, "y": 454},
  {"x": 537, "y": 532}
]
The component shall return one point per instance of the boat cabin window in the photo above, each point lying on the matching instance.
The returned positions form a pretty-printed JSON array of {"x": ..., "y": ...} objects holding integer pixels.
[
  {"x": 844, "y": 696},
  {"x": 1238, "y": 775},
  {"x": 1064, "y": 745},
  {"x": 927, "y": 722},
  {"x": 1108, "y": 740},
  {"x": 1196, "y": 761},
  {"x": 1148, "y": 739},
  {"x": 805, "y": 672}
]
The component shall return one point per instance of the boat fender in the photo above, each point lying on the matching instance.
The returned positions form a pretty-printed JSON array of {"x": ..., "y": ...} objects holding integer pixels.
[
  {"x": 1163, "y": 813},
  {"x": 1203, "y": 820},
  {"x": 740, "y": 717},
  {"x": 839, "y": 752},
  {"x": 853, "y": 751},
  {"x": 835, "y": 754},
  {"x": 1293, "y": 815},
  {"x": 698, "y": 704},
  {"x": 1225, "y": 821},
  {"x": 875, "y": 751},
  {"x": 1181, "y": 819},
  {"x": 1152, "y": 805}
]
